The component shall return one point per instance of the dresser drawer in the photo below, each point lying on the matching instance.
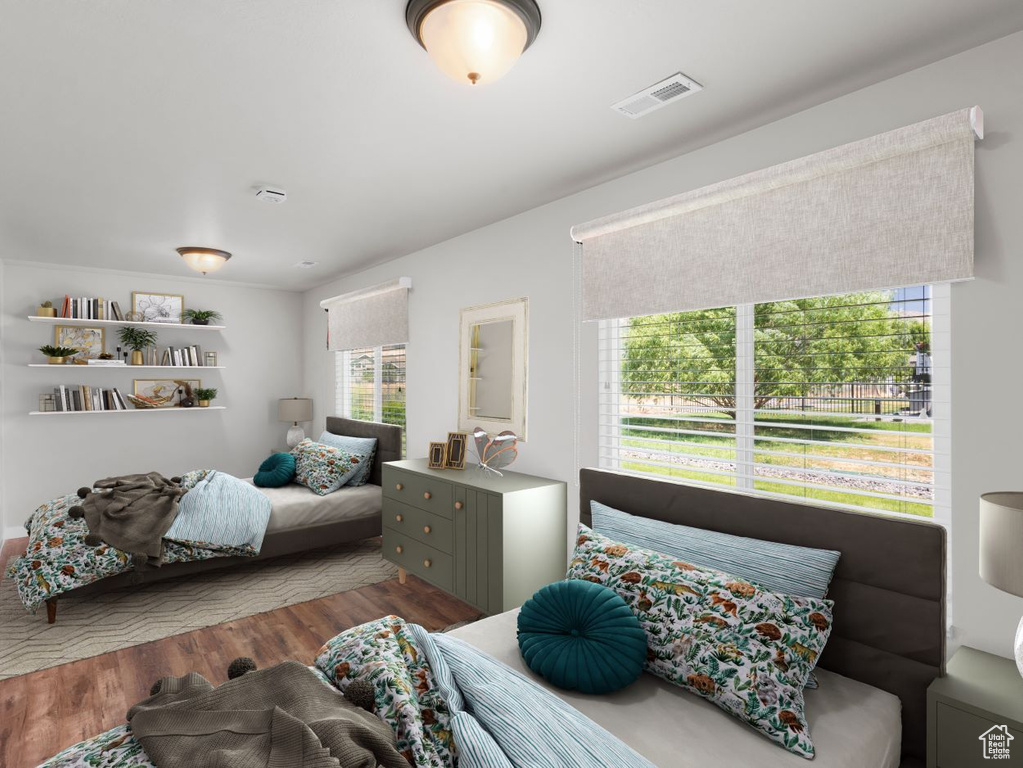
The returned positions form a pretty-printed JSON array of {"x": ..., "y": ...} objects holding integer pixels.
[
  {"x": 428, "y": 527},
  {"x": 959, "y": 742},
  {"x": 415, "y": 557},
  {"x": 420, "y": 491}
]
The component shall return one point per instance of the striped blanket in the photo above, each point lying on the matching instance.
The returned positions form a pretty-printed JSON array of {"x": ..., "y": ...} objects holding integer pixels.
[{"x": 221, "y": 512}]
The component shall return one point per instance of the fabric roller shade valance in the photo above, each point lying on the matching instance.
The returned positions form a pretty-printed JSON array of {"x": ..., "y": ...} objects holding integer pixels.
[
  {"x": 889, "y": 211},
  {"x": 372, "y": 317}
]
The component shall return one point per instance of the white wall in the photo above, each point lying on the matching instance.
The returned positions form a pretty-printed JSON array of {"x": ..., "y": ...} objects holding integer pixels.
[
  {"x": 46, "y": 456},
  {"x": 530, "y": 255}
]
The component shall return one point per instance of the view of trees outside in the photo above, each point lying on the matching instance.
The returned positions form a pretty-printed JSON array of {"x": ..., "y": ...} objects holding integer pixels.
[{"x": 840, "y": 405}]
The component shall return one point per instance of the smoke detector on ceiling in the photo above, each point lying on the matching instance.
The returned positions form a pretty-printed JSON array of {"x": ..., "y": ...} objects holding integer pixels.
[
  {"x": 271, "y": 195},
  {"x": 659, "y": 95}
]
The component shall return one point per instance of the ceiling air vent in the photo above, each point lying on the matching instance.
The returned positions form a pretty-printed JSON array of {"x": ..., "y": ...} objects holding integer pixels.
[{"x": 656, "y": 96}]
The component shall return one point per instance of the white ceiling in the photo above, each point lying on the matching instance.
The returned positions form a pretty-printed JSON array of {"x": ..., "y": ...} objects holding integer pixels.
[{"x": 130, "y": 127}]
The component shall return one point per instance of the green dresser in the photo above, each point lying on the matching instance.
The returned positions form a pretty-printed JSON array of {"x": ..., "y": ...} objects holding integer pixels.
[{"x": 491, "y": 541}]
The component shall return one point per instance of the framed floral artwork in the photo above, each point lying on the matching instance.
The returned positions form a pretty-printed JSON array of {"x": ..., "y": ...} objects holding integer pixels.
[
  {"x": 88, "y": 341},
  {"x": 158, "y": 307}
]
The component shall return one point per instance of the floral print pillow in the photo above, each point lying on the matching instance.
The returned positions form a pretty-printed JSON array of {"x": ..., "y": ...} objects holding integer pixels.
[
  {"x": 747, "y": 649},
  {"x": 323, "y": 468}
]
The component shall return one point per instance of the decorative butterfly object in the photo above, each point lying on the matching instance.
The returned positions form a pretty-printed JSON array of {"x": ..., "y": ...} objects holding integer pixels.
[{"x": 495, "y": 453}]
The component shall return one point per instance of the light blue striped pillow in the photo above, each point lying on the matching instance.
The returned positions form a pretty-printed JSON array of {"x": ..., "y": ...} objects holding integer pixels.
[{"x": 785, "y": 568}]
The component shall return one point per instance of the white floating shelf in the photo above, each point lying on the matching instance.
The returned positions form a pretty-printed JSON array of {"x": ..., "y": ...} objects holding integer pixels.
[
  {"x": 73, "y": 367},
  {"x": 174, "y": 409},
  {"x": 94, "y": 323}
]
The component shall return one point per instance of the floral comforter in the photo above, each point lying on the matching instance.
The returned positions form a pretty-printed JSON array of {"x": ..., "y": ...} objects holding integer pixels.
[{"x": 58, "y": 559}]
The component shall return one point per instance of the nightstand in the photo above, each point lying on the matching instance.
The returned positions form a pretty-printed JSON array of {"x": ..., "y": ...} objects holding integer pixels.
[
  {"x": 491, "y": 541},
  {"x": 975, "y": 713}
]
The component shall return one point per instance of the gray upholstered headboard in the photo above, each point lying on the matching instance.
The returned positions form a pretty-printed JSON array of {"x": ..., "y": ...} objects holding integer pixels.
[
  {"x": 388, "y": 440},
  {"x": 889, "y": 586}
]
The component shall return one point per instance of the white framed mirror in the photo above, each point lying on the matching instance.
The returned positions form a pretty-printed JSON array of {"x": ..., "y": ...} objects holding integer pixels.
[{"x": 492, "y": 369}]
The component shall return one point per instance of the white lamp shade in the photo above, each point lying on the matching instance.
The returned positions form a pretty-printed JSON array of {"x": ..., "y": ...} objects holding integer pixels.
[
  {"x": 295, "y": 409},
  {"x": 474, "y": 40},
  {"x": 1001, "y": 540}
]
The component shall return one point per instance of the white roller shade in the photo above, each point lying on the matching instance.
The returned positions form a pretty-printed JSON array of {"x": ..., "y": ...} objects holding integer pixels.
[
  {"x": 889, "y": 211},
  {"x": 371, "y": 317}
]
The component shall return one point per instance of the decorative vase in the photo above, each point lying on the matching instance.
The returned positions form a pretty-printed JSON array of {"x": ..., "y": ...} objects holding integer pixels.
[
  {"x": 56, "y": 360},
  {"x": 137, "y": 358},
  {"x": 204, "y": 321},
  {"x": 46, "y": 312},
  {"x": 204, "y": 403}
]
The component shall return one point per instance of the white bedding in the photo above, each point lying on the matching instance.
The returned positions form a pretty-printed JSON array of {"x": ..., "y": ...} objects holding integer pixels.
[
  {"x": 853, "y": 724},
  {"x": 295, "y": 506}
]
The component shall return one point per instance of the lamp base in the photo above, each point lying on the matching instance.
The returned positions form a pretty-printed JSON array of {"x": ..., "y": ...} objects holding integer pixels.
[{"x": 295, "y": 436}]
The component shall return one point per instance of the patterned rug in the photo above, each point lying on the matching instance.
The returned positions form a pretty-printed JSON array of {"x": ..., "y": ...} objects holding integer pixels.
[{"x": 99, "y": 623}]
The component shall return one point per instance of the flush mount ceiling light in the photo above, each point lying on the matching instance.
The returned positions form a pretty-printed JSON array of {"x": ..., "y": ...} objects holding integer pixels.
[
  {"x": 474, "y": 41},
  {"x": 204, "y": 259}
]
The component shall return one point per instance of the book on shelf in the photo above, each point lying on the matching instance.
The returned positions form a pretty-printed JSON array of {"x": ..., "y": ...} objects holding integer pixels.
[
  {"x": 82, "y": 398},
  {"x": 113, "y": 363},
  {"x": 89, "y": 308},
  {"x": 182, "y": 357}
]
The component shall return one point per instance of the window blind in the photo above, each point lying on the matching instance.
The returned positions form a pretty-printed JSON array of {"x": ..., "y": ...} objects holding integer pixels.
[
  {"x": 891, "y": 210},
  {"x": 370, "y": 385},
  {"x": 370, "y": 317},
  {"x": 840, "y": 400}
]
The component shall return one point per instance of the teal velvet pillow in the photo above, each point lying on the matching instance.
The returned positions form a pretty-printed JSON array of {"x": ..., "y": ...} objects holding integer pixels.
[
  {"x": 582, "y": 636},
  {"x": 276, "y": 471}
]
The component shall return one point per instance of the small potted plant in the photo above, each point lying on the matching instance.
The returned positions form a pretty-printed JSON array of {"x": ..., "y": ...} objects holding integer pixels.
[
  {"x": 200, "y": 316},
  {"x": 58, "y": 355},
  {"x": 46, "y": 310},
  {"x": 137, "y": 339},
  {"x": 204, "y": 395}
]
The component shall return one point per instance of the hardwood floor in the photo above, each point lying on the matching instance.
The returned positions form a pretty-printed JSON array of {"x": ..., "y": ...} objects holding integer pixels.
[{"x": 43, "y": 712}]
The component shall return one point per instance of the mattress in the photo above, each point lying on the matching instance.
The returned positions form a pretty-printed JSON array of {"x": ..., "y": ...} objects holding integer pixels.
[
  {"x": 295, "y": 506},
  {"x": 853, "y": 724}
]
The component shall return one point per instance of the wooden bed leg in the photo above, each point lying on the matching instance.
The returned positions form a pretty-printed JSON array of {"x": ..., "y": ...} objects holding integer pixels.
[
  {"x": 51, "y": 610},
  {"x": 402, "y": 575}
]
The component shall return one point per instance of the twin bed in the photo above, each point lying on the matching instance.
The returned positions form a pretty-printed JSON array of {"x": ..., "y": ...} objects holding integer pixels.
[
  {"x": 299, "y": 520},
  {"x": 887, "y": 643}
]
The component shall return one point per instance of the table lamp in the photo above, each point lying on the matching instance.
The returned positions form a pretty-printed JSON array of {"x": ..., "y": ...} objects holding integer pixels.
[
  {"x": 295, "y": 409},
  {"x": 1001, "y": 549}
]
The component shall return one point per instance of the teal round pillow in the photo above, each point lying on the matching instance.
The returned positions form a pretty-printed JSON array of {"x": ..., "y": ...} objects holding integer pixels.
[
  {"x": 276, "y": 471},
  {"x": 581, "y": 636}
]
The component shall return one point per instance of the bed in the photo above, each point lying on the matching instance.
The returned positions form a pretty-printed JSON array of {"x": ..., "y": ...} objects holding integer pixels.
[
  {"x": 887, "y": 644},
  {"x": 299, "y": 519}
]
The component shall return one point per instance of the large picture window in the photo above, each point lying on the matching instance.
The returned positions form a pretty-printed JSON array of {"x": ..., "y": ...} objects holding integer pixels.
[
  {"x": 370, "y": 385},
  {"x": 841, "y": 400}
]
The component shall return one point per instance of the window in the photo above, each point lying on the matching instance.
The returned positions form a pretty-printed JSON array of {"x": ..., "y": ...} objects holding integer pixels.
[
  {"x": 841, "y": 400},
  {"x": 370, "y": 385}
]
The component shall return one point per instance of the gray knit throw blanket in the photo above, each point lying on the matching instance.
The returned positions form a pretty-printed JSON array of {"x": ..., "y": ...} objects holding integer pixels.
[
  {"x": 280, "y": 717},
  {"x": 132, "y": 513}
]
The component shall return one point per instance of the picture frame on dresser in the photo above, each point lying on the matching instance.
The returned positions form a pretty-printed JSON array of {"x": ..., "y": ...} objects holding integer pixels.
[
  {"x": 454, "y": 452},
  {"x": 437, "y": 455}
]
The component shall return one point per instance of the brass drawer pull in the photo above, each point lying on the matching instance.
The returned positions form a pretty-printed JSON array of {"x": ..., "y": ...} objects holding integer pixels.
[
  {"x": 426, "y": 529},
  {"x": 427, "y": 495},
  {"x": 399, "y": 549},
  {"x": 427, "y": 563},
  {"x": 399, "y": 487},
  {"x": 399, "y": 518},
  {"x": 458, "y": 505}
]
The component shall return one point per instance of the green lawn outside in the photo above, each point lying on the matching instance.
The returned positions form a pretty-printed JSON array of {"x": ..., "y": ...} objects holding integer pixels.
[{"x": 844, "y": 449}]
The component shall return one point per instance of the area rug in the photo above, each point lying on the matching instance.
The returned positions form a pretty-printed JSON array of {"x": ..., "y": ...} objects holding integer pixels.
[{"x": 94, "y": 624}]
